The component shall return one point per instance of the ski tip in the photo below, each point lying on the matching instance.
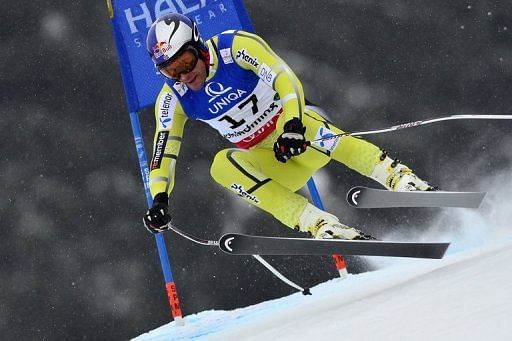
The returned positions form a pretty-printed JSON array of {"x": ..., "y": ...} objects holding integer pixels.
[
  {"x": 441, "y": 251},
  {"x": 482, "y": 197}
]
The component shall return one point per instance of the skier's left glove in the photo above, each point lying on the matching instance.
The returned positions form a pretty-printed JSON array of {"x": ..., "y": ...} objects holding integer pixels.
[
  {"x": 291, "y": 142},
  {"x": 157, "y": 217}
]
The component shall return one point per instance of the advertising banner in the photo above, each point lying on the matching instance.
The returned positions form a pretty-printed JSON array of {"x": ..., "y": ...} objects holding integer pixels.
[{"x": 131, "y": 20}]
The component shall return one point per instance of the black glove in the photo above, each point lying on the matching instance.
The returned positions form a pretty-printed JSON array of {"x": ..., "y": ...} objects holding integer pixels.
[
  {"x": 291, "y": 142},
  {"x": 157, "y": 217}
]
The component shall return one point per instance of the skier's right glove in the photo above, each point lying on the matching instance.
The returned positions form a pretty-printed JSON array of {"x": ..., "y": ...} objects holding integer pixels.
[
  {"x": 291, "y": 142},
  {"x": 157, "y": 217}
]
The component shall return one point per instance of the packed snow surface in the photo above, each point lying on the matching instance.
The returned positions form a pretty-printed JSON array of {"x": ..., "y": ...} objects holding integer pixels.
[{"x": 465, "y": 296}]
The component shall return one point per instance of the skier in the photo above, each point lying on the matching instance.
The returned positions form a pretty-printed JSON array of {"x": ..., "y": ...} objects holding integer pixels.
[{"x": 235, "y": 83}]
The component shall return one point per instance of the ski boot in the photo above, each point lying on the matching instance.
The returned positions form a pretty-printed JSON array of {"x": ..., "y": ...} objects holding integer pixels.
[
  {"x": 323, "y": 225},
  {"x": 398, "y": 177}
]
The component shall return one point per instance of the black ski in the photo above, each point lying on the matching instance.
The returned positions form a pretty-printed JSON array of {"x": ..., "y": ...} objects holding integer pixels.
[
  {"x": 364, "y": 197},
  {"x": 242, "y": 244}
]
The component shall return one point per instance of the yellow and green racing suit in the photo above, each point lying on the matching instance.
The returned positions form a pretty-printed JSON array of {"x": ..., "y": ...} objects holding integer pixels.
[{"x": 249, "y": 94}]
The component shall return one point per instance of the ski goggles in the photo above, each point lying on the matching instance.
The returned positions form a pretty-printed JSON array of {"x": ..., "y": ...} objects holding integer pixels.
[{"x": 185, "y": 62}]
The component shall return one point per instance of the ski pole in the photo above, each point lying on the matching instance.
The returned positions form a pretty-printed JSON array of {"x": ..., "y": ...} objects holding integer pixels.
[
  {"x": 415, "y": 124},
  {"x": 305, "y": 291}
]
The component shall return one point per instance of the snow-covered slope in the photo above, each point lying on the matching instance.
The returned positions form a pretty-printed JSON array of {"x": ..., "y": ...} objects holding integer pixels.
[{"x": 465, "y": 296}]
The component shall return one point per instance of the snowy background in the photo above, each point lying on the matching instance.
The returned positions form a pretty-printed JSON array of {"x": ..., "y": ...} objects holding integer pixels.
[{"x": 76, "y": 262}]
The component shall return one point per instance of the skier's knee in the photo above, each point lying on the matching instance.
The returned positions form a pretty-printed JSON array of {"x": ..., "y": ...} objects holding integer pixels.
[{"x": 219, "y": 165}]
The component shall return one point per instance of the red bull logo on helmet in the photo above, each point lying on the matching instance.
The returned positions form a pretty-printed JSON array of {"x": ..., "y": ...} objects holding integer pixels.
[{"x": 161, "y": 48}]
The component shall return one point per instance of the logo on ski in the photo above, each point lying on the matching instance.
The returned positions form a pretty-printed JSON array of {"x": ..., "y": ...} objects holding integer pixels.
[
  {"x": 352, "y": 196},
  {"x": 227, "y": 242}
]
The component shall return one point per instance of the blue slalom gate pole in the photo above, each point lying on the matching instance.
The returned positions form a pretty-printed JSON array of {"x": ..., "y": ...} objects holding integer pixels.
[
  {"x": 339, "y": 261},
  {"x": 170, "y": 286},
  {"x": 130, "y": 21}
]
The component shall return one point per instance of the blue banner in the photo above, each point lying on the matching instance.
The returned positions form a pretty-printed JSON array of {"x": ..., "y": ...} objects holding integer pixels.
[{"x": 131, "y": 20}]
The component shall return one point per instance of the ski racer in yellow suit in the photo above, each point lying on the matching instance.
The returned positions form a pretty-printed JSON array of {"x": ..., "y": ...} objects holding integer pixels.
[{"x": 235, "y": 83}]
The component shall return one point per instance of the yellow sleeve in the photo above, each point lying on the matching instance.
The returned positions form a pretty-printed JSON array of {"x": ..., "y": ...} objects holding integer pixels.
[
  {"x": 169, "y": 123},
  {"x": 251, "y": 52}
]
